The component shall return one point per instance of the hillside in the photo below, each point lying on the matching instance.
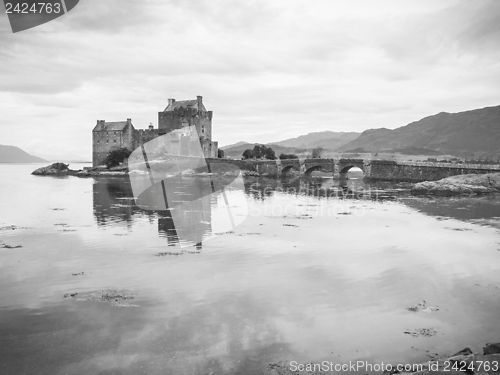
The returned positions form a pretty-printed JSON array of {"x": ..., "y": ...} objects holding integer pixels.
[
  {"x": 327, "y": 139},
  {"x": 470, "y": 134},
  {"x": 233, "y": 145},
  {"x": 13, "y": 154},
  {"x": 305, "y": 143}
]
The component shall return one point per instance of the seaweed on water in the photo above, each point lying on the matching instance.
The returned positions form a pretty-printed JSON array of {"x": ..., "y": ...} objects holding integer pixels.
[
  {"x": 166, "y": 254},
  {"x": 422, "y": 306},
  {"x": 12, "y": 227},
  {"x": 426, "y": 332},
  {"x": 221, "y": 233},
  {"x": 116, "y": 297},
  {"x": 5, "y": 246}
]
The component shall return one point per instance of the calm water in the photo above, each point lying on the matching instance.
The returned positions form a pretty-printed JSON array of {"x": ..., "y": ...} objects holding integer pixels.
[{"x": 316, "y": 271}]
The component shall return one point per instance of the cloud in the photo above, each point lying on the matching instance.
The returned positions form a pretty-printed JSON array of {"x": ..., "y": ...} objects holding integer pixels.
[{"x": 269, "y": 67}]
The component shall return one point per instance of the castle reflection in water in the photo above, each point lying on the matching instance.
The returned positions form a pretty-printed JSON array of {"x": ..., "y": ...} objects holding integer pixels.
[{"x": 114, "y": 205}]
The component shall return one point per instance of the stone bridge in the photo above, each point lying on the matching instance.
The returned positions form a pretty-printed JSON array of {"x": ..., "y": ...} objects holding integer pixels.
[
  {"x": 384, "y": 170},
  {"x": 306, "y": 166}
]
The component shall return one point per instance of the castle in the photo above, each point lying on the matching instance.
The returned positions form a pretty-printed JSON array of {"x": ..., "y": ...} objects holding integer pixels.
[{"x": 107, "y": 136}]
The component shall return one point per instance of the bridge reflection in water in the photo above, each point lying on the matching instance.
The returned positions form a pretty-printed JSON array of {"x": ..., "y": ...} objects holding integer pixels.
[{"x": 113, "y": 203}]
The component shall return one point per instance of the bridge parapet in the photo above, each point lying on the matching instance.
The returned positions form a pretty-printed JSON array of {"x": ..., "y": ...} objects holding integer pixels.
[
  {"x": 451, "y": 165},
  {"x": 423, "y": 171}
]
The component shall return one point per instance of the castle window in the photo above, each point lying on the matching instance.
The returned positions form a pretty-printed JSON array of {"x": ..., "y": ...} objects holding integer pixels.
[
  {"x": 115, "y": 140},
  {"x": 107, "y": 140}
]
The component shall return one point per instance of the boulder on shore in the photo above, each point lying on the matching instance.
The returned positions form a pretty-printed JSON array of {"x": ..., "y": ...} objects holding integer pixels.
[
  {"x": 467, "y": 184},
  {"x": 492, "y": 348},
  {"x": 59, "y": 169}
]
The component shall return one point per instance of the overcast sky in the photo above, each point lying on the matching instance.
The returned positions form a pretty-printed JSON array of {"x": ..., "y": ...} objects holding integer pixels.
[{"x": 269, "y": 69}]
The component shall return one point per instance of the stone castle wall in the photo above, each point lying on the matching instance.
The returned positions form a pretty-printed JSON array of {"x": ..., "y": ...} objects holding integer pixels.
[
  {"x": 179, "y": 118},
  {"x": 106, "y": 141},
  {"x": 142, "y": 136},
  {"x": 201, "y": 120}
]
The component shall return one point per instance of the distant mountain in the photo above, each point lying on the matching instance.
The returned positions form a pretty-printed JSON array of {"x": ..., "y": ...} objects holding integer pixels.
[
  {"x": 62, "y": 157},
  {"x": 234, "y": 145},
  {"x": 470, "y": 134},
  {"x": 13, "y": 154},
  {"x": 327, "y": 139}
]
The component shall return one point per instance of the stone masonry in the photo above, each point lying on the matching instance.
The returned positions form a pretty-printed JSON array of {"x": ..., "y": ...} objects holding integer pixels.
[{"x": 108, "y": 136}]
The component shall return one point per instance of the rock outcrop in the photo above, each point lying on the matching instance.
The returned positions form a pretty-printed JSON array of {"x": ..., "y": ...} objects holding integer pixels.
[
  {"x": 58, "y": 169},
  {"x": 61, "y": 169},
  {"x": 469, "y": 184}
]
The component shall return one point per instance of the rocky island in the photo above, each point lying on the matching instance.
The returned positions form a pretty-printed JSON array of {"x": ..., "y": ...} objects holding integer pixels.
[
  {"x": 467, "y": 184},
  {"x": 62, "y": 169}
]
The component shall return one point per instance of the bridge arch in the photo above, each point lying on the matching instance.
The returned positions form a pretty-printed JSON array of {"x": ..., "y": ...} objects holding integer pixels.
[
  {"x": 309, "y": 170},
  {"x": 289, "y": 168},
  {"x": 346, "y": 169}
]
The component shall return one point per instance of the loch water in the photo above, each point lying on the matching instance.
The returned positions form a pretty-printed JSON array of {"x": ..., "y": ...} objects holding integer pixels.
[{"x": 313, "y": 270}]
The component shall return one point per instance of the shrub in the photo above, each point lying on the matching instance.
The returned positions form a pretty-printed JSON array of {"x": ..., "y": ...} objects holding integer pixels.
[
  {"x": 115, "y": 157},
  {"x": 288, "y": 156},
  {"x": 247, "y": 154},
  {"x": 259, "y": 152},
  {"x": 269, "y": 154}
]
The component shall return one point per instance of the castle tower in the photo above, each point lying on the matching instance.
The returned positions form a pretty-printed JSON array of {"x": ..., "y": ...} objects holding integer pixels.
[
  {"x": 108, "y": 136},
  {"x": 179, "y": 114}
]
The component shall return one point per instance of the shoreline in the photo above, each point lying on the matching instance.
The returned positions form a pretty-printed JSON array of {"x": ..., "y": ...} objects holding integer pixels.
[{"x": 459, "y": 185}]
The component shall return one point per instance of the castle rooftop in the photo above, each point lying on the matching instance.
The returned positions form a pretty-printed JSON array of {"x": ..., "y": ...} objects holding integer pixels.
[
  {"x": 110, "y": 126},
  {"x": 187, "y": 104}
]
